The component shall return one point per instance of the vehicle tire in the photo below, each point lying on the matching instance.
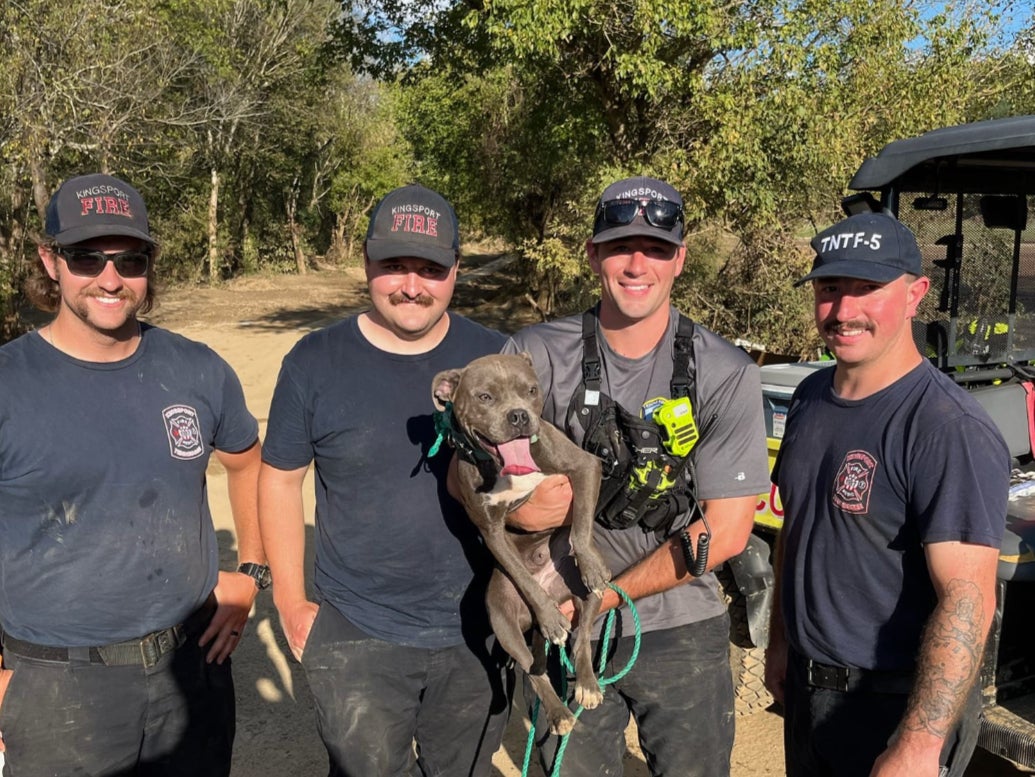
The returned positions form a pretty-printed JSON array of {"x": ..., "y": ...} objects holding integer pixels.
[
  {"x": 747, "y": 662},
  {"x": 748, "y": 667}
]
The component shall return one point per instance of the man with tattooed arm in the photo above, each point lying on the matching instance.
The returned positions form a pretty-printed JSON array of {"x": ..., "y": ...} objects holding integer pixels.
[{"x": 894, "y": 484}]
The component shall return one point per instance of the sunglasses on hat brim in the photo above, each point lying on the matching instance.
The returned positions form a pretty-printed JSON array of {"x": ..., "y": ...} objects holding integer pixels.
[{"x": 663, "y": 214}]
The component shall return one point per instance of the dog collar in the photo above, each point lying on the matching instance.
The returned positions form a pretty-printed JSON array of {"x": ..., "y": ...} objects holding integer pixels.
[{"x": 446, "y": 431}]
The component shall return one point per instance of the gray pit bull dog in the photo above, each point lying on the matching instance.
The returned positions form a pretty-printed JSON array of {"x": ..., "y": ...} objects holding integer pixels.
[{"x": 505, "y": 451}]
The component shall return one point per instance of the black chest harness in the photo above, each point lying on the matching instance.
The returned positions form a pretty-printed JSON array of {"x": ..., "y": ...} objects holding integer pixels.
[{"x": 647, "y": 472}]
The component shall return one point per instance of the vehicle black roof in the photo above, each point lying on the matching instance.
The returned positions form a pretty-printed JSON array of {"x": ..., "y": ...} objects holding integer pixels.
[{"x": 994, "y": 155}]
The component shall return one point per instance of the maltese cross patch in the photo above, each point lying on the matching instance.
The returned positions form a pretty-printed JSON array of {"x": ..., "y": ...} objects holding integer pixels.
[
  {"x": 854, "y": 482},
  {"x": 181, "y": 424}
]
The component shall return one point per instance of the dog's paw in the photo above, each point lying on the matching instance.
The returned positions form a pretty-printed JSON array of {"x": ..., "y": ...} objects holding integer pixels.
[
  {"x": 589, "y": 695},
  {"x": 555, "y": 626},
  {"x": 562, "y": 723},
  {"x": 594, "y": 572}
]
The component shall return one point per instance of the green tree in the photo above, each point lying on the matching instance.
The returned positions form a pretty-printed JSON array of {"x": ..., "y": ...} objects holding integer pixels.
[
  {"x": 794, "y": 118},
  {"x": 216, "y": 111},
  {"x": 366, "y": 156},
  {"x": 758, "y": 112},
  {"x": 81, "y": 85},
  {"x": 251, "y": 95}
]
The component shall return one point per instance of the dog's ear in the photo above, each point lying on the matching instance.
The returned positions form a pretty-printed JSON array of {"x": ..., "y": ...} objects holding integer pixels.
[
  {"x": 443, "y": 386},
  {"x": 527, "y": 357}
]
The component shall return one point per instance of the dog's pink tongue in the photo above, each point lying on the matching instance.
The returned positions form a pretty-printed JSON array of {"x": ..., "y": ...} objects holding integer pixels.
[{"x": 517, "y": 457}]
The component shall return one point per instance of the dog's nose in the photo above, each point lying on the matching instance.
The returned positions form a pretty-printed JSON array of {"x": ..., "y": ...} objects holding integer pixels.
[{"x": 518, "y": 418}]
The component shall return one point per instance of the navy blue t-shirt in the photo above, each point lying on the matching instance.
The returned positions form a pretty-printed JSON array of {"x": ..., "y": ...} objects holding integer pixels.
[
  {"x": 394, "y": 552},
  {"x": 865, "y": 485},
  {"x": 105, "y": 529}
]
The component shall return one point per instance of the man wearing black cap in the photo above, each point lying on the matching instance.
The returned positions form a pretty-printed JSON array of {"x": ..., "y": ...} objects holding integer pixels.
[
  {"x": 622, "y": 371},
  {"x": 395, "y": 651},
  {"x": 894, "y": 484},
  {"x": 117, "y": 623}
]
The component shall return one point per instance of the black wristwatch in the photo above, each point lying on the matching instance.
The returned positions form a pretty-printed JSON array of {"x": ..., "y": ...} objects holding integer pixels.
[{"x": 260, "y": 573}]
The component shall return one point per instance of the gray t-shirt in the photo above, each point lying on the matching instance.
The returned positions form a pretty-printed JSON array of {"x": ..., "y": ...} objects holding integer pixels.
[{"x": 729, "y": 459}]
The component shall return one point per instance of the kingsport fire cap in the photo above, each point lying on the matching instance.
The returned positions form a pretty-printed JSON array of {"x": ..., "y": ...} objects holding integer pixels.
[
  {"x": 868, "y": 246},
  {"x": 96, "y": 205},
  {"x": 639, "y": 189},
  {"x": 413, "y": 221}
]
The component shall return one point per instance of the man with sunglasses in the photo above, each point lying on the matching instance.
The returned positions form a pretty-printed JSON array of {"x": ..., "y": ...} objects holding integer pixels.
[
  {"x": 117, "y": 625},
  {"x": 633, "y": 374}
]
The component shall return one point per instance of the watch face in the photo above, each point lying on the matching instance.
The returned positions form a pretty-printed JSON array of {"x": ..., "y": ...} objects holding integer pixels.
[{"x": 260, "y": 573}]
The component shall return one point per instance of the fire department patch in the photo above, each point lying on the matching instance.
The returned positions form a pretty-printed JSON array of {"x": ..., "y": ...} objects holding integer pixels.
[
  {"x": 181, "y": 424},
  {"x": 854, "y": 482}
]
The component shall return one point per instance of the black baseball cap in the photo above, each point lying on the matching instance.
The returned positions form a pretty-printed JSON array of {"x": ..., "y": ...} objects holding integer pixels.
[
  {"x": 641, "y": 189},
  {"x": 413, "y": 221},
  {"x": 96, "y": 205},
  {"x": 868, "y": 246}
]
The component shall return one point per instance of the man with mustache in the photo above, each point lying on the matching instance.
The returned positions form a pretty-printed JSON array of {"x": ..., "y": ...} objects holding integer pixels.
[
  {"x": 395, "y": 645},
  {"x": 117, "y": 623},
  {"x": 894, "y": 485}
]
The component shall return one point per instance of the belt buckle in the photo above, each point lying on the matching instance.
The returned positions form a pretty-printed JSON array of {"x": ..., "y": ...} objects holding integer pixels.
[
  {"x": 832, "y": 678},
  {"x": 150, "y": 650},
  {"x": 156, "y": 645}
]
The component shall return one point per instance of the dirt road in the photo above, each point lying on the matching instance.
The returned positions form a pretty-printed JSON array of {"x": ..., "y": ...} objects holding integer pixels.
[{"x": 252, "y": 323}]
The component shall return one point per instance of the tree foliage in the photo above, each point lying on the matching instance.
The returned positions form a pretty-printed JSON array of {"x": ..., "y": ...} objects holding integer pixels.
[
  {"x": 232, "y": 117},
  {"x": 758, "y": 112},
  {"x": 261, "y": 132}
]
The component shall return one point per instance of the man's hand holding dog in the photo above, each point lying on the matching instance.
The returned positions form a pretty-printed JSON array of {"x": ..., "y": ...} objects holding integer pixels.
[{"x": 548, "y": 507}]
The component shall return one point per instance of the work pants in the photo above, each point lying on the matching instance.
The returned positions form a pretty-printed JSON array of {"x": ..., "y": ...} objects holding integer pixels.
[
  {"x": 835, "y": 733},
  {"x": 386, "y": 710},
  {"x": 679, "y": 691},
  {"x": 79, "y": 718}
]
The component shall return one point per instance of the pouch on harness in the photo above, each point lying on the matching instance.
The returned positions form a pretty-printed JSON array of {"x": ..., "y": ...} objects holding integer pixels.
[{"x": 644, "y": 480}]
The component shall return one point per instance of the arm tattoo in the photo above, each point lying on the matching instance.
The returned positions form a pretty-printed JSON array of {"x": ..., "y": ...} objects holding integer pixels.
[{"x": 950, "y": 656}]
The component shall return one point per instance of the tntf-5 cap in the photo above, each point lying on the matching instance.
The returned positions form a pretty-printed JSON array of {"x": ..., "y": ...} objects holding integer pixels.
[{"x": 868, "y": 246}]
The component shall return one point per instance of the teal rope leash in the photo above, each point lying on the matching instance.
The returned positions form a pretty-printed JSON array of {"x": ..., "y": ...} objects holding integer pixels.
[
  {"x": 443, "y": 420},
  {"x": 605, "y": 637}
]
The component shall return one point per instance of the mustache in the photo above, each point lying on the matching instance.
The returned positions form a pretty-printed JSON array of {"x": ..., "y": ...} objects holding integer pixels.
[
  {"x": 398, "y": 298},
  {"x": 834, "y": 325},
  {"x": 122, "y": 294}
]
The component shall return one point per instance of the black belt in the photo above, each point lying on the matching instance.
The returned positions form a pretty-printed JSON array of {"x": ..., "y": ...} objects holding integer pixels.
[
  {"x": 848, "y": 679},
  {"x": 145, "y": 651}
]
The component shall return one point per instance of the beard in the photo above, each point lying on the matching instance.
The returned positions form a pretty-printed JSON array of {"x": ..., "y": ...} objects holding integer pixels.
[{"x": 133, "y": 302}]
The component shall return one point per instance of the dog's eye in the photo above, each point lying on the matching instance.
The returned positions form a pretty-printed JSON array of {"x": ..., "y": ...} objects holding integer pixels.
[
  {"x": 485, "y": 397},
  {"x": 533, "y": 391}
]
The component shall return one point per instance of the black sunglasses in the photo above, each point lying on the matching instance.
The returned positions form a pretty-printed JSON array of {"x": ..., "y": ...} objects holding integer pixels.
[
  {"x": 663, "y": 214},
  {"x": 90, "y": 264}
]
